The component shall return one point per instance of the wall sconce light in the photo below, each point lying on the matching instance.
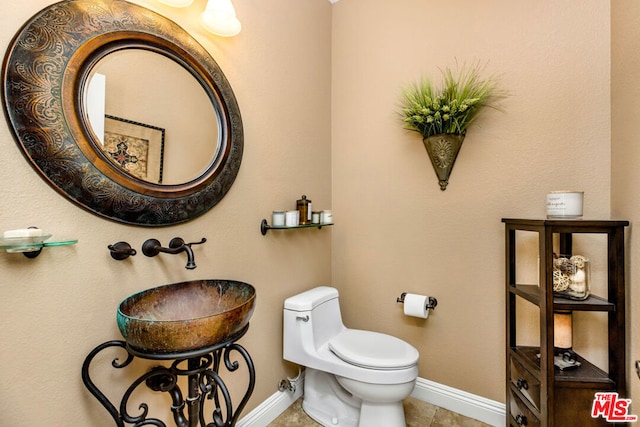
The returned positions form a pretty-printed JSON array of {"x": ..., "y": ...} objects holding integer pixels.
[
  {"x": 176, "y": 3},
  {"x": 219, "y": 17}
]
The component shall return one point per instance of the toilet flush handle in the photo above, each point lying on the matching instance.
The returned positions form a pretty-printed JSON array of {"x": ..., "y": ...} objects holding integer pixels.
[{"x": 304, "y": 318}]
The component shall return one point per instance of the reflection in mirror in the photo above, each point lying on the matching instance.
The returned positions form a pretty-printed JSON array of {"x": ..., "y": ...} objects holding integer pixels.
[{"x": 150, "y": 117}]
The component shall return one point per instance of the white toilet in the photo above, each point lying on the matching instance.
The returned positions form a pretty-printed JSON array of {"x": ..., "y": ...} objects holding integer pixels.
[{"x": 353, "y": 377}]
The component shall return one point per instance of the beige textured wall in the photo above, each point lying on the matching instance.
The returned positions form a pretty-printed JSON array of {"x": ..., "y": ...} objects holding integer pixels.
[
  {"x": 625, "y": 176},
  {"x": 395, "y": 230},
  {"x": 54, "y": 309}
]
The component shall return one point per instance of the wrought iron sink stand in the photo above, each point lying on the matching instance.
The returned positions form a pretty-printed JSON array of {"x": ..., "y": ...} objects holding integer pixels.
[{"x": 204, "y": 382}]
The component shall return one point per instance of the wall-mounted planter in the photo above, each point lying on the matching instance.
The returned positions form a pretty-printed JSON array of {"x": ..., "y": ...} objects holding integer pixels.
[
  {"x": 443, "y": 150},
  {"x": 441, "y": 114}
]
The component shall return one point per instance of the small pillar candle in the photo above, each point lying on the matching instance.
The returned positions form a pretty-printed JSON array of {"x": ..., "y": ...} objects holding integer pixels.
[
  {"x": 563, "y": 330},
  {"x": 277, "y": 219}
]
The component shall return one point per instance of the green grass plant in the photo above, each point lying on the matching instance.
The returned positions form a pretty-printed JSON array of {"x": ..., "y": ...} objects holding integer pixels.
[{"x": 453, "y": 105}]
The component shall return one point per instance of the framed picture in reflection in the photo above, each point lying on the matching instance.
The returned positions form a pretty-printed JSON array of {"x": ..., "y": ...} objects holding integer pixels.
[{"x": 136, "y": 148}]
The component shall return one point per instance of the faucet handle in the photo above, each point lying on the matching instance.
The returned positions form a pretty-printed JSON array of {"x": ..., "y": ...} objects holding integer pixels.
[
  {"x": 176, "y": 242},
  {"x": 121, "y": 250}
]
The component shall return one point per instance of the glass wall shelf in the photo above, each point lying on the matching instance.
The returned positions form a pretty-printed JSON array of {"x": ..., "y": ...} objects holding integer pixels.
[
  {"x": 264, "y": 226},
  {"x": 31, "y": 246}
]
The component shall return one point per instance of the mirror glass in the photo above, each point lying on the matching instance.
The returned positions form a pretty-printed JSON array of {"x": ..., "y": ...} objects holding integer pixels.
[
  {"x": 150, "y": 117},
  {"x": 122, "y": 111}
]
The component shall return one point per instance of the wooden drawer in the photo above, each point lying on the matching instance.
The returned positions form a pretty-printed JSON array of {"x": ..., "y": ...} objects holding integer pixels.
[
  {"x": 520, "y": 414},
  {"x": 525, "y": 382}
]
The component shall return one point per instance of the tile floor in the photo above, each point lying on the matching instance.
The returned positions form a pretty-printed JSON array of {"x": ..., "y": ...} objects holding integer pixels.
[{"x": 418, "y": 414}]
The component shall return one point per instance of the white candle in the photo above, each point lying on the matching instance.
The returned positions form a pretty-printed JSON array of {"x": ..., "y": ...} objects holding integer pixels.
[{"x": 562, "y": 330}]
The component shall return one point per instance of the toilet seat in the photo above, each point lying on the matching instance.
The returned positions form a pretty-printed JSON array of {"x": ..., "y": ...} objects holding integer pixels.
[{"x": 373, "y": 350}]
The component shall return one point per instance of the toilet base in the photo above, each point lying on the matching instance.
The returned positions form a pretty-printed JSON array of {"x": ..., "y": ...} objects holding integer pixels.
[
  {"x": 327, "y": 402},
  {"x": 389, "y": 415},
  {"x": 381, "y": 404}
]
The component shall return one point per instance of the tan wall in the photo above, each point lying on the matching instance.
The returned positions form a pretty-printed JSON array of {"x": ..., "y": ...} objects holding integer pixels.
[
  {"x": 54, "y": 309},
  {"x": 625, "y": 109},
  {"x": 395, "y": 229}
]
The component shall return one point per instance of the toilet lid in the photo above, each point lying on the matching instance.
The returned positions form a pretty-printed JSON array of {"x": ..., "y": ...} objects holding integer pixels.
[{"x": 373, "y": 350}]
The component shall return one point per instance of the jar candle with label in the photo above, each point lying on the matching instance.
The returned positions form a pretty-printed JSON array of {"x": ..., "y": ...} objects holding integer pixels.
[{"x": 565, "y": 204}]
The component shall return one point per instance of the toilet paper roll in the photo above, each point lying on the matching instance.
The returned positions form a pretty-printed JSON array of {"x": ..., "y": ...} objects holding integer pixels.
[{"x": 416, "y": 305}]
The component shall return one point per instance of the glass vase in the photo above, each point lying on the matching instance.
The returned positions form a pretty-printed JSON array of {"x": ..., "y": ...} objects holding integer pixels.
[{"x": 571, "y": 276}]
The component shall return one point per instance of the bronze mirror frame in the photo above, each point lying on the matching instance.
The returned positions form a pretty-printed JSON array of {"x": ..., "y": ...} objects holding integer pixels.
[{"x": 44, "y": 74}]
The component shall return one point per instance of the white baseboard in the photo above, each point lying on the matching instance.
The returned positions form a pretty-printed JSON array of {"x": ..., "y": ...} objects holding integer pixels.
[
  {"x": 461, "y": 402},
  {"x": 467, "y": 404},
  {"x": 271, "y": 408}
]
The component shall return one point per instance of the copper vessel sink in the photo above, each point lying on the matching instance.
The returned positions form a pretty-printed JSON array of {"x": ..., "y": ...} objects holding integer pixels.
[{"x": 185, "y": 316}]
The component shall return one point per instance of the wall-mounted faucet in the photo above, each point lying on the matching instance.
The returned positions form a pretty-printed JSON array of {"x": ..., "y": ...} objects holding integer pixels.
[{"x": 152, "y": 247}]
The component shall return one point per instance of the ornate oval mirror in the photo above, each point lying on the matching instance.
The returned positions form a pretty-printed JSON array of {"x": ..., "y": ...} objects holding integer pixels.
[{"x": 122, "y": 111}]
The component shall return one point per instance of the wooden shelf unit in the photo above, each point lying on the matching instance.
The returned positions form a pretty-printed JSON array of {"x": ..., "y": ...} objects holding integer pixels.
[{"x": 538, "y": 393}]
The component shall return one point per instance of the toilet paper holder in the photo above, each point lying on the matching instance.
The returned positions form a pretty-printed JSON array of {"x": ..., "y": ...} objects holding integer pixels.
[{"x": 430, "y": 305}]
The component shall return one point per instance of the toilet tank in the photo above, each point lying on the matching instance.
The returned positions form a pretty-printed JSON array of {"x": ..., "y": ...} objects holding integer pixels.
[
  {"x": 322, "y": 306},
  {"x": 308, "y": 300}
]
